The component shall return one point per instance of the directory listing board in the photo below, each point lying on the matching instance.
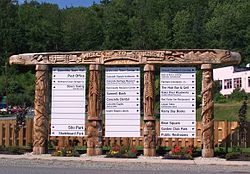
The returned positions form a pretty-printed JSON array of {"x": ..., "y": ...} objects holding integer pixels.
[
  {"x": 68, "y": 101},
  {"x": 177, "y": 102},
  {"x": 122, "y": 102}
]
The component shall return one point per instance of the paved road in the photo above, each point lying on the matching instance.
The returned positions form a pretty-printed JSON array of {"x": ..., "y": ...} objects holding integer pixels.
[{"x": 24, "y": 166}]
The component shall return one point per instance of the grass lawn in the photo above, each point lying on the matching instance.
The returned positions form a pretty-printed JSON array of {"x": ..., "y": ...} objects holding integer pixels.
[{"x": 225, "y": 111}]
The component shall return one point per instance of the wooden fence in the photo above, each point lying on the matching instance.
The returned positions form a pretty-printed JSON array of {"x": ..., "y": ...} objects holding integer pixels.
[{"x": 226, "y": 133}]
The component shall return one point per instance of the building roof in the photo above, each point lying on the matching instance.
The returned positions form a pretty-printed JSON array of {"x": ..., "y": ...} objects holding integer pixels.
[{"x": 241, "y": 69}]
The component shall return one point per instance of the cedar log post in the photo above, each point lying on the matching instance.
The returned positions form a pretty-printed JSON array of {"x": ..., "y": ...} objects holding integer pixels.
[
  {"x": 94, "y": 130},
  {"x": 207, "y": 111},
  {"x": 149, "y": 118},
  {"x": 40, "y": 137}
]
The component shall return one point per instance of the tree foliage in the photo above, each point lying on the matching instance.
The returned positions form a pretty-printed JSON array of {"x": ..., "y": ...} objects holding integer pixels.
[
  {"x": 238, "y": 94},
  {"x": 243, "y": 123},
  {"x": 120, "y": 24}
]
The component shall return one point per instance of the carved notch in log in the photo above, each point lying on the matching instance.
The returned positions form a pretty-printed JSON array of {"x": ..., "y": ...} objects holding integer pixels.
[
  {"x": 94, "y": 130},
  {"x": 207, "y": 111},
  {"x": 40, "y": 134},
  {"x": 149, "y": 118}
]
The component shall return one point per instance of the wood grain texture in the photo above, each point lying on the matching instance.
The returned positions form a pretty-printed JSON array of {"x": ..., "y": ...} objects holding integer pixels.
[
  {"x": 207, "y": 111},
  {"x": 149, "y": 132},
  {"x": 94, "y": 129},
  {"x": 130, "y": 57},
  {"x": 40, "y": 134}
]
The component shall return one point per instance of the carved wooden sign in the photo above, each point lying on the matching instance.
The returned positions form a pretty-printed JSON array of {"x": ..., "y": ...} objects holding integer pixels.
[
  {"x": 122, "y": 57},
  {"x": 129, "y": 57}
]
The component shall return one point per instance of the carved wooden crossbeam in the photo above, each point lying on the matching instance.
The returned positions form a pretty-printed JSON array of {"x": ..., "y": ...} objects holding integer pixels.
[{"x": 130, "y": 57}]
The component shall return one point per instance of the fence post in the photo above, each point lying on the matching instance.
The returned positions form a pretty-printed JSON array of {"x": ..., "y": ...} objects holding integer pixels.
[
  {"x": 7, "y": 134},
  {"x": 20, "y": 137},
  {"x": 29, "y": 123},
  {"x": 1, "y": 133},
  {"x": 247, "y": 136},
  {"x": 40, "y": 137},
  {"x": 227, "y": 134}
]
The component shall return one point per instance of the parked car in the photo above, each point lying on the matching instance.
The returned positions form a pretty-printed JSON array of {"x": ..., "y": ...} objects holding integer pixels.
[
  {"x": 14, "y": 110},
  {"x": 3, "y": 111}
]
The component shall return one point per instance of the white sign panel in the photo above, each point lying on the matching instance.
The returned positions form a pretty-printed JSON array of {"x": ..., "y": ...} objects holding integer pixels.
[
  {"x": 68, "y": 101},
  {"x": 177, "y": 102},
  {"x": 122, "y": 102}
]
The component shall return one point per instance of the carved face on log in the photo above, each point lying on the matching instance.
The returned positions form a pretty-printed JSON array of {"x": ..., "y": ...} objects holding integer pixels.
[
  {"x": 149, "y": 124},
  {"x": 207, "y": 78},
  {"x": 15, "y": 59},
  {"x": 93, "y": 124}
]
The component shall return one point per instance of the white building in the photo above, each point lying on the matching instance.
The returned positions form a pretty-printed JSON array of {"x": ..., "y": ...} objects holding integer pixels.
[{"x": 231, "y": 78}]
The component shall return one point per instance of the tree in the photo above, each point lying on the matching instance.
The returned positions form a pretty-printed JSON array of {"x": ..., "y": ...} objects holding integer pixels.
[
  {"x": 238, "y": 94},
  {"x": 150, "y": 27},
  {"x": 8, "y": 29},
  {"x": 39, "y": 27},
  {"x": 21, "y": 89},
  {"x": 228, "y": 26},
  {"x": 82, "y": 28},
  {"x": 243, "y": 123},
  {"x": 119, "y": 24},
  {"x": 105, "y": 1},
  {"x": 182, "y": 30},
  {"x": 199, "y": 14},
  {"x": 115, "y": 20}
]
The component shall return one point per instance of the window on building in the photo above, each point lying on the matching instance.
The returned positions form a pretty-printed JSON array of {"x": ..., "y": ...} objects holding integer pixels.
[
  {"x": 227, "y": 83},
  {"x": 248, "y": 81},
  {"x": 237, "y": 83}
]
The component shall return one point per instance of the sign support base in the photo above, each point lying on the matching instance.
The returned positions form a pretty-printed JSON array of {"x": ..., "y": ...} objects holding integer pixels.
[{"x": 149, "y": 151}]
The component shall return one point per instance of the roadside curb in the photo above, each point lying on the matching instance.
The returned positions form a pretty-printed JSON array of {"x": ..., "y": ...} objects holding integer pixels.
[{"x": 141, "y": 159}]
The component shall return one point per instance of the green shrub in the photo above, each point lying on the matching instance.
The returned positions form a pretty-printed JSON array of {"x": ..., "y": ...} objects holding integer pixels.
[
  {"x": 122, "y": 152},
  {"x": 219, "y": 98},
  {"x": 232, "y": 155},
  {"x": 178, "y": 152},
  {"x": 76, "y": 153},
  {"x": 13, "y": 150},
  {"x": 220, "y": 152},
  {"x": 198, "y": 101},
  {"x": 238, "y": 94},
  {"x": 67, "y": 151},
  {"x": 236, "y": 149}
]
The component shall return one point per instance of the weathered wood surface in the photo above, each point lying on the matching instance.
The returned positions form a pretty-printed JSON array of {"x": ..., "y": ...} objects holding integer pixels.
[
  {"x": 207, "y": 113},
  {"x": 149, "y": 132},
  {"x": 41, "y": 118},
  {"x": 226, "y": 133},
  {"x": 130, "y": 57},
  {"x": 94, "y": 130}
]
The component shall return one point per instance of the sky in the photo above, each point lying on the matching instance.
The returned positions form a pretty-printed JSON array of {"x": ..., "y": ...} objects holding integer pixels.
[{"x": 69, "y": 3}]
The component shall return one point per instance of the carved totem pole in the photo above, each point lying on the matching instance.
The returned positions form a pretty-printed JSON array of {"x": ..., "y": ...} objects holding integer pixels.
[
  {"x": 149, "y": 118},
  {"x": 207, "y": 111},
  {"x": 40, "y": 134},
  {"x": 94, "y": 130}
]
